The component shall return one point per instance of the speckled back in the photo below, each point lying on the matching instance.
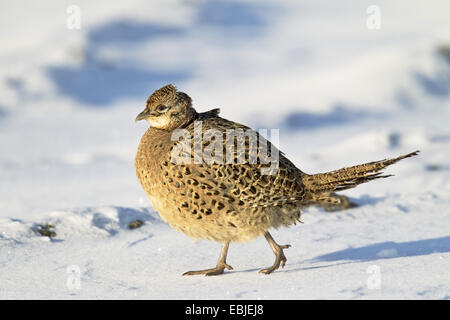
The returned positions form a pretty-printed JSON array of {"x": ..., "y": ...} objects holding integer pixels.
[{"x": 216, "y": 201}]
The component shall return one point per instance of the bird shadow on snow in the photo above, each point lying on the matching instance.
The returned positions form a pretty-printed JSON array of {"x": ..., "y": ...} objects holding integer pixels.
[
  {"x": 389, "y": 250},
  {"x": 377, "y": 251}
]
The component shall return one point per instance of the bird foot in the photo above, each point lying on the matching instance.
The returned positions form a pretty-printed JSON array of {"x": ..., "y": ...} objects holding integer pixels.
[
  {"x": 280, "y": 259},
  {"x": 210, "y": 272}
]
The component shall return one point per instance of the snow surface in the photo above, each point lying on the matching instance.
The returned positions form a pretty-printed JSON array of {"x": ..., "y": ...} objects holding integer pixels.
[{"x": 340, "y": 93}]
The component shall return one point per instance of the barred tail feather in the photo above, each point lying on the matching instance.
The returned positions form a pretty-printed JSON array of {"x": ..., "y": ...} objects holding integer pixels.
[{"x": 318, "y": 185}]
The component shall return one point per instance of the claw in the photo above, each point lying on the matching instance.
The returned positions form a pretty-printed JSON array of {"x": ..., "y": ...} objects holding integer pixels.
[
  {"x": 227, "y": 266},
  {"x": 280, "y": 258},
  {"x": 220, "y": 267},
  {"x": 210, "y": 272}
]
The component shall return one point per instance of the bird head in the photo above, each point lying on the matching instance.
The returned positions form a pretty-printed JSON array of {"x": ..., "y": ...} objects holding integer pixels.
[{"x": 168, "y": 109}]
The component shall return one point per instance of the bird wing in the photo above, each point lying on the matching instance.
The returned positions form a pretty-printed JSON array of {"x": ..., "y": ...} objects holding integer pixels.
[{"x": 255, "y": 178}]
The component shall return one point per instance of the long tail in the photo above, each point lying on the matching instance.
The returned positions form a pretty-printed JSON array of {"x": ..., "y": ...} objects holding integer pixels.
[{"x": 318, "y": 186}]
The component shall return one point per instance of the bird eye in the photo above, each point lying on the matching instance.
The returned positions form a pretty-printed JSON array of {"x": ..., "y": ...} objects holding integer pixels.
[{"x": 161, "y": 108}]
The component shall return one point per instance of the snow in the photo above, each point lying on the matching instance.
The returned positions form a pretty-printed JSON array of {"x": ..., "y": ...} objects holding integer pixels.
[{"x": 340, "y": 94}]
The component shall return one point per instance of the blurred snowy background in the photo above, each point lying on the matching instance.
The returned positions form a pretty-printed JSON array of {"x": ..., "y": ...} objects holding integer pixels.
[{"x": 340, "y": 91}]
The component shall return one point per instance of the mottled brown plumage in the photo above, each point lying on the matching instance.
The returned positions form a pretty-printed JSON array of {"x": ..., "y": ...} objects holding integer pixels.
[{"x": 221, "y": 201}]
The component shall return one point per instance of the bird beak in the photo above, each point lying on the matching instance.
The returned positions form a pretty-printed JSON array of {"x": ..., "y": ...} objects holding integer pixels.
[{"x": 143, "y": 115}]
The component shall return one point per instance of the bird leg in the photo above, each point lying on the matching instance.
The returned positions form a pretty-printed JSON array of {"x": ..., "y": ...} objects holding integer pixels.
[
  {"x": 280, "y": 258},
  {"x": 220, "y": 267}
]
